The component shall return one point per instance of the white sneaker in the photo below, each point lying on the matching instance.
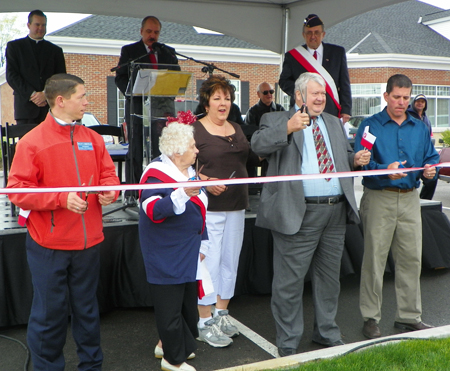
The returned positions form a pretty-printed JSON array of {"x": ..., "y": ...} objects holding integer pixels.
[
  {"x": 212, "y": 335},
  {"x": 166, "y": 366},
  {"x": 224, "y": 323},
  {"x": 159, "y": 353}
]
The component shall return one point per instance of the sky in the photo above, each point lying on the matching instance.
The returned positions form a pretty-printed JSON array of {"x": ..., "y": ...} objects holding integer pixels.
[{"x": 56, "y": 21}]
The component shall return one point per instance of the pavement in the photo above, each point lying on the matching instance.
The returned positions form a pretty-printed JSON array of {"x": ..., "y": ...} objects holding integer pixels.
[{"x": 129, "y": 335}]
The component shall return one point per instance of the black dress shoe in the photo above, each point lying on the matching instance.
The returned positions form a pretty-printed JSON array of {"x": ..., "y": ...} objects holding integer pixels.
[
  {"x": 371, "y": 329},
  {"x": 283, "y": 352},
  {"x": 330, "y": 344},
  {"x": 336, "y": 343},
  {"x": 412, "y": 326}
]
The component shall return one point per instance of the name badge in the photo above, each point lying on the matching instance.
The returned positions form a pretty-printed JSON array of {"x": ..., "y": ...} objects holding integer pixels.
[{"x": 85, "y": 146}]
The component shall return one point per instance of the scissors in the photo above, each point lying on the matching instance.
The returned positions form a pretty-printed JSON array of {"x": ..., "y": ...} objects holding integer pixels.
[
  {"x": 196, "y": 176},
  {"x": 90, "y": 192},
  {"x": 197, "y": 172},
  {"x": 304, "y": 107}
]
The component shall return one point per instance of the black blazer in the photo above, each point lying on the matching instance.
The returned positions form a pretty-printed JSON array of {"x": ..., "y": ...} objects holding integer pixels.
[
  {"x": 335, "y": 62},
  {"x": 133, "y": 51},
  {"x": 25, "y": 74}
]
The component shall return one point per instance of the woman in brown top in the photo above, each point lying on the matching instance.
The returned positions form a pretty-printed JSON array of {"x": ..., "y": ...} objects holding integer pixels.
[{"x": 223, "y": 153}]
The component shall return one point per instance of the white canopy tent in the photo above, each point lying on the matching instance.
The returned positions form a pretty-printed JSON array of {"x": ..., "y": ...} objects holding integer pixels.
[{"x": 274, "y": 25}]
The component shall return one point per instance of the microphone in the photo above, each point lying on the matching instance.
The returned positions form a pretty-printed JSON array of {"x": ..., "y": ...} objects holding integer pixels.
[{"x": 158, "y": 47}]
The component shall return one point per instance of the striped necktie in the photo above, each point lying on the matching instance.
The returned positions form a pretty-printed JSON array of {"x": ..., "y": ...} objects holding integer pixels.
[{"x": 323, "y": 156}]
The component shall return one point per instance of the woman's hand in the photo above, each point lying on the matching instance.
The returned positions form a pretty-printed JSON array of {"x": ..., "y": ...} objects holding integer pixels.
[
  {"x": 192, "y": 191},
  {"x": 215, "y": 190}
]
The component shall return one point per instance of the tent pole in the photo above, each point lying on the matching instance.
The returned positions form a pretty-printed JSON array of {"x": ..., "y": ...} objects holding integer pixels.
[{"x": 284, "y": 43}]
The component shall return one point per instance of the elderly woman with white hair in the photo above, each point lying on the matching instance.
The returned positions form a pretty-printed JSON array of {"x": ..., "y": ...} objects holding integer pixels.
[{"x": 171, "y": 231}]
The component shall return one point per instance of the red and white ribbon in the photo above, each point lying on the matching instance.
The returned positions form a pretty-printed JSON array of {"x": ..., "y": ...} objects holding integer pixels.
[{"x": 206, "y": 183}]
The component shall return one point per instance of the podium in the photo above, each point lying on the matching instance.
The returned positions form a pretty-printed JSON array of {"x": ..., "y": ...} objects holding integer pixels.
[{"x": 160, "y": 86}]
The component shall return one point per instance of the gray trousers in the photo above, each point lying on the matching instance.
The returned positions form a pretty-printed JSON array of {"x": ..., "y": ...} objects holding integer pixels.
[
  {"x": 391, "y": 221},
  {"x": 317, "y": 247}
]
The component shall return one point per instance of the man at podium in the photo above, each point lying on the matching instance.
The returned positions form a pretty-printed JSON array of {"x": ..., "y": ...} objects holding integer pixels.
[{"x": 152, "y": 55}]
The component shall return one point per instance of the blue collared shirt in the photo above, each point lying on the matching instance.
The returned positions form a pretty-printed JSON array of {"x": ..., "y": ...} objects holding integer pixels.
[
  {"x": 409, "y": 141},
  {"x": 310, "y": 165}
]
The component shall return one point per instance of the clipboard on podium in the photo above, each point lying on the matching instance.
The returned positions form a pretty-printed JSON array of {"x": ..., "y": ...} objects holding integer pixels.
[
  {"x": 161, "y": 83},
  {"x": 161, "y": 86}
]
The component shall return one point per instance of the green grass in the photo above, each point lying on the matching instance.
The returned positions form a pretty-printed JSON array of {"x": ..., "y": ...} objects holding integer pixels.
[{"x": 410, "y": 355}]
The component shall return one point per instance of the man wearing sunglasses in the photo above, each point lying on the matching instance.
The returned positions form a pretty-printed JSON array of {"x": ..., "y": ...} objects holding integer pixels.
[
  {"x": 265, "y": 104},
  {"x": 327, "y": 60}
]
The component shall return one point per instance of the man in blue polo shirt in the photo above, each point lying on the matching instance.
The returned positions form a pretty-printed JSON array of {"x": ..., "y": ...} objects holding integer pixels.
[{"x": 390, "y": 208}]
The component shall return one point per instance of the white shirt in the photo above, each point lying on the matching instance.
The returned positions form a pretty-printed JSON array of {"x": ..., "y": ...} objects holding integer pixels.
[{"x": 319, "y": 51}]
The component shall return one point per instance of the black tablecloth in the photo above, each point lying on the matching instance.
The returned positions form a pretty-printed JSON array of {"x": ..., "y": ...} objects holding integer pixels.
[{"x": 122, "y": 277}]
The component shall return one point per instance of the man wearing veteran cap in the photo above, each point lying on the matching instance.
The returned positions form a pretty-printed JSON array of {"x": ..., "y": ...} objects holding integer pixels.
[{"x": 326, "y": 59}]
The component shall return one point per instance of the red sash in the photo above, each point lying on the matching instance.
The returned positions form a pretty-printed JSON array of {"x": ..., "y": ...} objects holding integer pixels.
[{"x": 311, "y": 65}]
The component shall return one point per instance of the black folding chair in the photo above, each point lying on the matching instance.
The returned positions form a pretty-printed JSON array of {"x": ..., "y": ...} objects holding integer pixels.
[{"x": 12, "y": 134}]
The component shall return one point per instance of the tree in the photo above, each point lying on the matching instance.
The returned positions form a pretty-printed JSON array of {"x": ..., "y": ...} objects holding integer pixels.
[{"x": 8, "y": 31}]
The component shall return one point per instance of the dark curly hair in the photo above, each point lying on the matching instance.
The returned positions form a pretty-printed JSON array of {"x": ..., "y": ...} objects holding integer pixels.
[{"x": 211, "y": 85}]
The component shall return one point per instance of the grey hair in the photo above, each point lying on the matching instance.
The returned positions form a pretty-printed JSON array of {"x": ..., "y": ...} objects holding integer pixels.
[
  {"x": 175, "y": 138},
  {"x": 304, "y": 78}
]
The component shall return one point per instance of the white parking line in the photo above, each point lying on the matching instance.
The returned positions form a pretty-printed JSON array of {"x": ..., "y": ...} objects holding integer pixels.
[
  {"x": 446, "y": 208},
  {"x": 257, "y": 339}
]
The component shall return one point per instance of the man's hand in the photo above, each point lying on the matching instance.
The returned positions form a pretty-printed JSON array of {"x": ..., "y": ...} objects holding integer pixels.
[
  {"x": 345, "y": 117},
  {"x": 106, "y": 198},
  {"x": 395, "y": 165},
  {"x": 299, "y": 121},
  {"x": 429, "y": 172},
  {"x": 362, "y": 158},
  {"x": 38, "y": 99},
  {"x": 76, "y": 204}
]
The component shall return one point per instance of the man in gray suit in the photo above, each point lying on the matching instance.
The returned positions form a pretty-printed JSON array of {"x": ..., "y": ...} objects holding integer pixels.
[{"x": 307, "y": 218}]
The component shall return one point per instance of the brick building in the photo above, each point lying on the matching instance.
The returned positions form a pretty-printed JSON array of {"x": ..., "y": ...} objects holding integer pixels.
[{"x": 404, "y": 38}]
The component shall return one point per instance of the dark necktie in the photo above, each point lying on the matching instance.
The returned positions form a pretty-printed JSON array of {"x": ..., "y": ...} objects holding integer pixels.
[
  {"x": 315, "y": 54},
  {"x": 323, "y": 156},
  {"x": 153, "y": 60}
]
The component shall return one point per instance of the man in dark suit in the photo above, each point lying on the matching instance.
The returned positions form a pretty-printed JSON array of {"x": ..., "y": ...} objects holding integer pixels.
[
  {"x": 155, "y": 56},
  {"x": 326, "y": 59},
  {"x": 307, "y": 218},
  {"x": 30, "y": 61}
]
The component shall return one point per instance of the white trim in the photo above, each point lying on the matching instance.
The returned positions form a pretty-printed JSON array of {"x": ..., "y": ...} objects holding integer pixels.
[
  {"x": 436, "y": 21},
  {"x": 78, "y": 45},
  {"x": 398, "y": 61}
]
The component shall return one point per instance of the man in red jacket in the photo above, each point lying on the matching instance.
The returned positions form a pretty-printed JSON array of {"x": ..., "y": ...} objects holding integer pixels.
[{"x": 64, "y": 228}]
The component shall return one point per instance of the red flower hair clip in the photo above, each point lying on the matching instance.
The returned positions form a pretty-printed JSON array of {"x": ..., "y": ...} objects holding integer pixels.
[{"x": 183, "y": 117}]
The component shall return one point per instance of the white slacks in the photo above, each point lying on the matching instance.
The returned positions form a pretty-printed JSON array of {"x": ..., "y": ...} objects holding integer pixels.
[{"x": 226, "y": 233}]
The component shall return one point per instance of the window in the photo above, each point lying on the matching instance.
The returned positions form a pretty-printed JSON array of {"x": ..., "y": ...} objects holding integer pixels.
[
  {"x": 237, "y": 93},
  {"x": 366, "y": 99},
  {"x": 120, "y": 108},
  {"x": 438, "y": 103}
]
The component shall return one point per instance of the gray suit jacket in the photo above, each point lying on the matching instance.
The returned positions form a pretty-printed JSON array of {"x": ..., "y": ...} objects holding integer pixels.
[{"x": 283, "y": 204}]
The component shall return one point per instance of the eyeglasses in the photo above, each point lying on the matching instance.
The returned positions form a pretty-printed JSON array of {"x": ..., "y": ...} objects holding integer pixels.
[{"x": 265, "y": 92}]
